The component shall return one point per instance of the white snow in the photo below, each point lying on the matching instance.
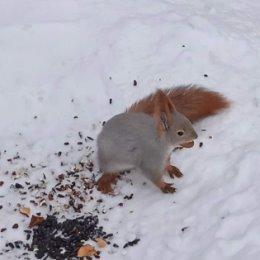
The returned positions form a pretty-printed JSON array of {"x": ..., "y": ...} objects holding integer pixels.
[{"x": 66, "y": 58}]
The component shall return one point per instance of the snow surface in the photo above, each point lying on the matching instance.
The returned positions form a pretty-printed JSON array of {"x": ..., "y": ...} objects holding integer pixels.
[{"x": 66, "y": 58}]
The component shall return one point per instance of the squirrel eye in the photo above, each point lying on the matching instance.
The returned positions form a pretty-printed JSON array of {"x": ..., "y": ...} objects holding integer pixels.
[{"x": 180, "y": 133}]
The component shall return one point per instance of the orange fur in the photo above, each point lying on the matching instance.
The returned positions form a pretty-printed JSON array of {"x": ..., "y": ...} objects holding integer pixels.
[{"x": 192, "y": 101}]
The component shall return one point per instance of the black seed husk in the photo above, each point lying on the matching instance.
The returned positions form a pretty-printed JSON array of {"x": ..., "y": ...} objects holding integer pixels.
[
  {"x": 131, "y": 243},
  {"x": 18, "y": 186},
  {"x": 15, "y": 226},
  {"x": 184, "y": 228}
]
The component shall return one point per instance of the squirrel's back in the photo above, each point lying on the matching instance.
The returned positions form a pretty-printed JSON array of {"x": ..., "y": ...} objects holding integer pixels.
[{"x": 195, "y": 102}]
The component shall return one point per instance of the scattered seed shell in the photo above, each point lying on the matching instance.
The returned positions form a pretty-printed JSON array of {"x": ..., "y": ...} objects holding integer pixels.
[
  {"x": 101, "y": 243},
  {"x": 86, "y": 250},
  {"x": 35, "y": 220},
  {"x": 15, "y": 226},
  {"x": 25, "y": 211}
]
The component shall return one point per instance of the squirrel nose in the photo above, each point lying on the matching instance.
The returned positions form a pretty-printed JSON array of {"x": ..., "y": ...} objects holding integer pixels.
[{"x": 195, "y": 135}]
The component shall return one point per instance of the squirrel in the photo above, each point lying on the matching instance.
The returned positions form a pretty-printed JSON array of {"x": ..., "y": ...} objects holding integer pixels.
[
  {"x": 144, "y": 136},
  {"x": 138, "y": 140}
]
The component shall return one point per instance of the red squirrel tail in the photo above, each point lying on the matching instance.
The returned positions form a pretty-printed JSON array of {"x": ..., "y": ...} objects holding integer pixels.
[{"x": 192, "y": 101}]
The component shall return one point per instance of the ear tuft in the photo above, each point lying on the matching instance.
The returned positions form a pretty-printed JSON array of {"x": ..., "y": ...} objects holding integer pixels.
[
  {"x": 164, "y": 121},
  {"x": 164, "y": 102}
]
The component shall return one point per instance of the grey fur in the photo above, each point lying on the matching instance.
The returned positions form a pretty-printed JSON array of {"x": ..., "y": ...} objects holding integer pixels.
[{"x": 130, "y": 140}]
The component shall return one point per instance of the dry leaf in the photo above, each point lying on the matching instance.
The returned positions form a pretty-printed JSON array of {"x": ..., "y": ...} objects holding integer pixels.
[
  {"x": 86, "y": 250},
  {"x": 101, "y": 243},
  {"x": 35, "y": 220},
  {"x": 25, "y": 211}
]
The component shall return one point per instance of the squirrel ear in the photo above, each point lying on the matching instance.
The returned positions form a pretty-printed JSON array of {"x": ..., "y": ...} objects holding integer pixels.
[
  {"x": 163, "y": 111},
  {"x": 163, "y": 103},
  {"x": 164, "y": 121}
]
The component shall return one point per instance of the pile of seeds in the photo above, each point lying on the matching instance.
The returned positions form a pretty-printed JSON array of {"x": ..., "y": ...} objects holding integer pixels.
[
  {"x": 62, "y": 240},
  {"x": 67, "y": 191}
]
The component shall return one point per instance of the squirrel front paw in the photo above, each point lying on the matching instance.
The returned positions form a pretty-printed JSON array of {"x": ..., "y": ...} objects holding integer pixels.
[
  {"x": 167, "y": 188},
  {"x": 173, "y": 171},
  {"x": 105, "y": 182}
]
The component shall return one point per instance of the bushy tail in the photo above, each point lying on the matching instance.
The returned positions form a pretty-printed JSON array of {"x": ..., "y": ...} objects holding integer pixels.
[{"x": 193, "y": 101}]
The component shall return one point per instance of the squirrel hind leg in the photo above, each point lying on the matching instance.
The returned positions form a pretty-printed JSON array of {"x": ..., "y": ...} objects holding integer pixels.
[{"x": 106, "y": 183}]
